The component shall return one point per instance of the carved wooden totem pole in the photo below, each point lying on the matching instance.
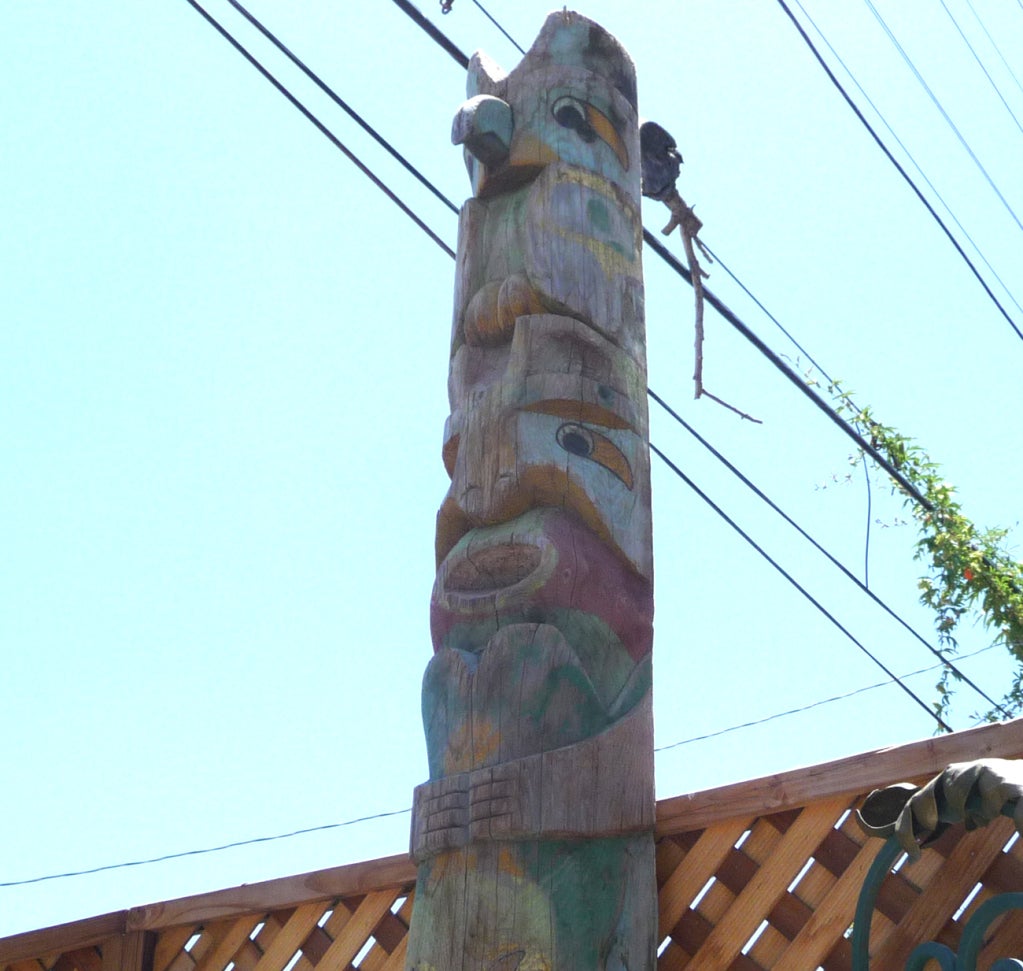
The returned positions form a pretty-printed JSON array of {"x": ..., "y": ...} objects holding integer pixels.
[{"x": 534, "y": 835}]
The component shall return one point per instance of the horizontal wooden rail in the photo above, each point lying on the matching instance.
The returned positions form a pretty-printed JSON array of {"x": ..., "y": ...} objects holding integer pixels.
[
  {"x": 700, "y": 835},
  {"x": 846, "y": 776}
]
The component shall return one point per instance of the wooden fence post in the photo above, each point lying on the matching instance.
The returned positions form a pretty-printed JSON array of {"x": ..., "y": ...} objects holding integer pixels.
[{"x": 534, "y": 834}]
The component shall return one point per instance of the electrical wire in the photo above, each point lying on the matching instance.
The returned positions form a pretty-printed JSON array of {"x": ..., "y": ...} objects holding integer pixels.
[
  {"x": 202, "y": 852},
  {"x": 402, "y": 812},
  {"x": 767, "y": 313},
  {"x": 341, "y": 103},
  {"x": 802, "y": 708},
  {"x": 760, "y": 494},
  {"x": 806, "y": 593},
  {"x": 329, "y": 135},
  {"x": 720, "y": 307},
  {"x": 941, "y": 109},
  {"x": 998, "y": 50},
  {"x": 980, "y": 64},
  {"x": 486, "y": 14},
  {"x": 417, "y": 16},
  {"x": 891, "y": 158},
  {"x": 861, "y": 443},
  {"x": 866, "y": 542},
  {"x": 909, "y": 155}
]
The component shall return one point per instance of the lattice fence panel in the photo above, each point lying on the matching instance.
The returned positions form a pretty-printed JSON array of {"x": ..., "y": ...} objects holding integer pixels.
[
  {"x": 366, "y": 931},
  {"x": 779, "y": 892}
]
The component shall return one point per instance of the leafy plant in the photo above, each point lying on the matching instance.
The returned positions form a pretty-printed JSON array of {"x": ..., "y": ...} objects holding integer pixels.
[{"x": 968, "y": 569}]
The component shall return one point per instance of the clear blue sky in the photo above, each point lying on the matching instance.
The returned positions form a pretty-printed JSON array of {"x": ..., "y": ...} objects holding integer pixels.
[{"x": 223, "y": 392}]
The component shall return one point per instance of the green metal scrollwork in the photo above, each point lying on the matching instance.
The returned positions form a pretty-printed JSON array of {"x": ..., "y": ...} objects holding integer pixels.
[{"x": 973, "y": 793}]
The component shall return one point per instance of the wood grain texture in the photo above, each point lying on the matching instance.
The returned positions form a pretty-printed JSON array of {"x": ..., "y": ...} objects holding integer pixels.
[
  {"x": 948, "y": 888},
  {"x": 534, "y": 833},
  {"x": 53, "y": 940},
  {"x": 389, "y": 872},
  {"x": 853, "y": 775},
  {"x": 769, "y": 883}
]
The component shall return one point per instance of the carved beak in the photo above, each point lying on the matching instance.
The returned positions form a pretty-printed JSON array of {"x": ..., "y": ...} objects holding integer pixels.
[
  {"x": 484, "y": 126},
  {"x": 607, "y": 133}
]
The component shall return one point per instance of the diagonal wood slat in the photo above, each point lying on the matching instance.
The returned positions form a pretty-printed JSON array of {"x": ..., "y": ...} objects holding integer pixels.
[
  {"x": 696, "y": 868},
  {"x": 830, "y": 918},
  {"x": 290, "y": 936},
  {"x": 357, "y": 930},
  {"x": 770, "y": 882}
]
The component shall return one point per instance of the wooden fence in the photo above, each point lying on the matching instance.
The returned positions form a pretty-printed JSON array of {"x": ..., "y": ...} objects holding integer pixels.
[{"x": 757, "y": 875}]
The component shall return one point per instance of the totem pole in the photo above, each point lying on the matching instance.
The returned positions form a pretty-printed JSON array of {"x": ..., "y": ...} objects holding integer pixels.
[{"x": 534, "y": 835}]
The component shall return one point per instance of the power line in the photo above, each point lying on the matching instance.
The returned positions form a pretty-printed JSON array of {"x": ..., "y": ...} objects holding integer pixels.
[
  {"x": 402, "y": 812},
  {"x": 487, "y": 14},
  {"x": 998, "y": 50},
  {"x": 202, "y": 852},
  {"x": 439, "y": 36},
  {"x": 941, "y": 109},
  {"x": 802, "y": 708},
  {"x": 788, "y": 576},
  {"x": 907, "y": 486},
  {"x": 341, "y": 103},
  {"x": 909, "y": 155},
  {"x": 891, "y": 158},
  {"x": 821, "y": 549},
  {"x": 329, "y": 135},
  {"x": 980, "y": 64},
  {"x": 657, "y": 246}
]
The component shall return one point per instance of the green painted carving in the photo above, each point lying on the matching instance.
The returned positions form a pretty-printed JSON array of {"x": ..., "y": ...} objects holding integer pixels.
[{"x": 534, "y": 833}]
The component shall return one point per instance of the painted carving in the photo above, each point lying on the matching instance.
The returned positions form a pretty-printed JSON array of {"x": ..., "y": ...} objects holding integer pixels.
[{"x": 534, "y": 834}]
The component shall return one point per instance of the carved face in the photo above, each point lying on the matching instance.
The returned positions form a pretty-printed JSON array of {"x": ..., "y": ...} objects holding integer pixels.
[
  {"x": 575, "y": 103},
  {"x": 560, "y": 425}
]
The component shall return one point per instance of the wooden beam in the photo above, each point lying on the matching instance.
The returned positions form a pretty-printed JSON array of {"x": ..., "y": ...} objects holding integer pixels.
[
  {"x": 853, "y": 775},
  {"x": 391, "y": 872},
  {"x": 62, "y": 937}
]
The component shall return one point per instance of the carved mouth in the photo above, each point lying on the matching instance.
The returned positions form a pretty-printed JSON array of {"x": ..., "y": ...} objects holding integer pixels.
[{"x": 492, "y": 568}]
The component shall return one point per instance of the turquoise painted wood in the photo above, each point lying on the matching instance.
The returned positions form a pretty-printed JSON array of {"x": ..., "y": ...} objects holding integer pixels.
[{"x": 534, "y": 834}]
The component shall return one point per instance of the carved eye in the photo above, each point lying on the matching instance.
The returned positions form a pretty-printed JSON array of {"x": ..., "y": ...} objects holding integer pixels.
[
  {"x": 580, "y": 440},
  {"x": 572, "y": 114},
  {"x": 576, "y": 439}
]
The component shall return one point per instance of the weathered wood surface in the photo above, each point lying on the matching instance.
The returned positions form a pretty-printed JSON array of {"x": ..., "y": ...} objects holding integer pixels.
[
  {"x": 853, "y": 775},
  {"x": 806, "y": 923},
  {"x": 534, "y": 834}
]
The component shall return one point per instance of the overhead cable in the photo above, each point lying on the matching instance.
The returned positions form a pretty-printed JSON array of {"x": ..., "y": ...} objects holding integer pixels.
[
  {"x": 202, "y": 852},
  {"x": 487, "y": 14},
  {"x": 402, "y": 812},
  {"x": 806, "y": 593},
  {"x": 911, "y": 490},
  {"x": 341, "y": 103},
  {"x": 998, "y": 50},
  {"x": 909, "y": 155},
  {"x": 821, "y": 549},
  {"x": 941, "y": 110},
  {"x": 329, "y": 135},
  {"x": 891, "y": 158},
  {"x": 980, "y": 64},
  {"x": 439, "y": 36},
  {"x": 717, "y": 304},
  {"x": 802, "y": 708}
]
